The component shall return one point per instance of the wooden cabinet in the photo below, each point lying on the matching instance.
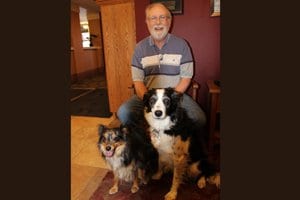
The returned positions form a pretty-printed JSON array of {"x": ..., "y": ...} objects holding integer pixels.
[
  {"x": 214, "y": 114},
  {"x": 119, "y": 39}
]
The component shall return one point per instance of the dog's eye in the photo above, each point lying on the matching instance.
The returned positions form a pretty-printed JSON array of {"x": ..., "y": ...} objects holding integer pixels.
[
  {"x": 102, "y": 139},
  {"x": 166, "y": 101},
  {"x": 117, "y": 139},
  {"x": 152, "y": 101}
]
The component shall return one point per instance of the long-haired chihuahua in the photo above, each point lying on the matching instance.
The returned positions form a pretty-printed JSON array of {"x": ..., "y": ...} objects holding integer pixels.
[{"x": 129, "y": 153}]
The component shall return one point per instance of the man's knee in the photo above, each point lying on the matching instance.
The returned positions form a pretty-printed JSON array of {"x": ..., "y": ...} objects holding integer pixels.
[
  {"x": 130, "y": 111},
  {"x": 122, "y": 113},
  {"x": 202, "y": 118}
]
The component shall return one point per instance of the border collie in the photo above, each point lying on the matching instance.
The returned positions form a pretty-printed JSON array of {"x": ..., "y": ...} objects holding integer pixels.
[
  {"x": 178, "y": 139},
  {"x": 129, "y": 153}
]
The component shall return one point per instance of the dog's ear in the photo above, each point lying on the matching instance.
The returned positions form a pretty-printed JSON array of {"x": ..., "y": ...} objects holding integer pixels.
[
  {"x": 101, "y": 129},
  {"x": 177, "y": 96},
  {"x": 169, "y": 90},
  {"x": 146, "y": 98},
  {"x": 124, "y": 129},
  {"x": 176, "y": 100}
]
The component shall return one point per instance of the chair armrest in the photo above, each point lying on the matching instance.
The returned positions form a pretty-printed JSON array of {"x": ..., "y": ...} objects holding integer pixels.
[{"x": 195, "y": 87}]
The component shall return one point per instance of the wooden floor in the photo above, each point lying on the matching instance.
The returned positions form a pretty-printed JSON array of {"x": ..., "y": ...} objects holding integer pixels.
[
  {"x": 87, "y": 166},
  {"x": 93, "y": 82}
]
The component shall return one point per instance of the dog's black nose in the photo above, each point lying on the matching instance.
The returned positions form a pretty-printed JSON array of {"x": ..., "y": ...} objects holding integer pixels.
[
  {"x": 158, "y": 113},
  {"x": 107, "y": 148}
]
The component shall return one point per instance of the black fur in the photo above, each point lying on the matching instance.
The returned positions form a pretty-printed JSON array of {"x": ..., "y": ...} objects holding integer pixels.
[
  {"x": 141, "y": 149},
  {"x": 138, "y": 147},
  {"x": 186, "y": 128}
]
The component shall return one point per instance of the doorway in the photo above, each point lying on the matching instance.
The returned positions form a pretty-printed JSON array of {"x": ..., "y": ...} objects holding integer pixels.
[{"x": 88, "y": 93}]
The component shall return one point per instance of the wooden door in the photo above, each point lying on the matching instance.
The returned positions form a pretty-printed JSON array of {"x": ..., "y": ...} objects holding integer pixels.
[{"x": 119, "y": 39}]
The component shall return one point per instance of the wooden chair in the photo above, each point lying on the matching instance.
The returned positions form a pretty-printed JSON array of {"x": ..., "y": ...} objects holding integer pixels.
[
  {"x": 214, "y": 100},
  {"x": 195, "y": 87}
]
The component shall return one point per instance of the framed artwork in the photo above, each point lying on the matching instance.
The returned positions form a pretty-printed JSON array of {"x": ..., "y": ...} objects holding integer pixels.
[
  {"x": 174, "y": 6},
  {"x": 215, "y": 8}
]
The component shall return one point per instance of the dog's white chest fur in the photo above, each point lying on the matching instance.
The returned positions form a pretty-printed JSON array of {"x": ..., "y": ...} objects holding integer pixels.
[
  {"x": 123, "y": 172},
  {"x": 161, "y": 141},
  {"x": 164, "y": 145}
]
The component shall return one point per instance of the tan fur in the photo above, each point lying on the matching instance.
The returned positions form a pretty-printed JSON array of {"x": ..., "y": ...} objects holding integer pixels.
[
  {"x": 127, "y": 173},
  {"x": 180, "y": 159},
  {"x": 193, "y": 170},
  {"x": 173, "y": 151}
]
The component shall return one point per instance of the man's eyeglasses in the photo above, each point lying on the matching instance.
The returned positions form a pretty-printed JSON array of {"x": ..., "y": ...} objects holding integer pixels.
[{"x": 162, "y": 18}]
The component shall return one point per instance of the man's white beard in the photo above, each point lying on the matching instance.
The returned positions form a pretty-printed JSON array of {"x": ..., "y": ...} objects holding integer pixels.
[{"x": 159, "y": 35}]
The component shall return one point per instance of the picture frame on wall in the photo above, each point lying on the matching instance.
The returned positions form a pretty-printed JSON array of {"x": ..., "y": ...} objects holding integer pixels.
[
  {"x": 215, "y": 8},
  {"x": 175, "y": 6}
]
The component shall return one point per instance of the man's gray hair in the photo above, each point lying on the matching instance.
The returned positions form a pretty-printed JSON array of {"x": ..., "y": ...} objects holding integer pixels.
[{"x": 150, "y": 6}]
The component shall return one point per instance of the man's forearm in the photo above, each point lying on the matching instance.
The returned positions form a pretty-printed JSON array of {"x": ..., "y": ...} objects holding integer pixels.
[
  {"x": 183, "y": 85},
  {"x": 140, "y": 89}
]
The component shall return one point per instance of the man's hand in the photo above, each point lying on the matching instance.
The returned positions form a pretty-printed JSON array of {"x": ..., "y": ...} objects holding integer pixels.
[{"x": 183, "y": 85}]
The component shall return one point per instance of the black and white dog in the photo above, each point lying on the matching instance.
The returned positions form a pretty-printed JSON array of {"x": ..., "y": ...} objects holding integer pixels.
[
  {"x": 129, "y": 153},
  {"x": 178, "y": 139}
]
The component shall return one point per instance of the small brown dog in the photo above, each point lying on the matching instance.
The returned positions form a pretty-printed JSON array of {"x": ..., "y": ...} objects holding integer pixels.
[{"x": 129, "y": 154}]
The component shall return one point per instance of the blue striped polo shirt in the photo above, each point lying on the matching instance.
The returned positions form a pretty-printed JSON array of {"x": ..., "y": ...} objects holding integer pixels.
[{"x": 161, "y": 68}]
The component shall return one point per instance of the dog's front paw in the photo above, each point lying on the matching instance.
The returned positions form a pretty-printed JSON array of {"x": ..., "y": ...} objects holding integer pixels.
[
  {"x": 134, "y": 189},
  {"x": 201, "y": 182},
  {"x": 171, "y": 195},
  {"x": 158, "y": 175},
  {"x": 113, "y": 190},
  {"x": 216, "y": 179},
  {"x": 142, "y": 177},
  {"x": 144, "y": 181}
]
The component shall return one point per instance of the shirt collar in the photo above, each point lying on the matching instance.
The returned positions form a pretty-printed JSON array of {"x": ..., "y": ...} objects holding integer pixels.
[{"x": 151, "y": 42}]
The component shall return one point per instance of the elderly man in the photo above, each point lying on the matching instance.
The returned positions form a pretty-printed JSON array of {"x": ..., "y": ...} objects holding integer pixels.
[{"x": 160, "y": 60}]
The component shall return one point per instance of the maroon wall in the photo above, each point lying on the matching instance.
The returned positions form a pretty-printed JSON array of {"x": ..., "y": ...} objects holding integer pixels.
[{"x": 200, "y": 30}]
